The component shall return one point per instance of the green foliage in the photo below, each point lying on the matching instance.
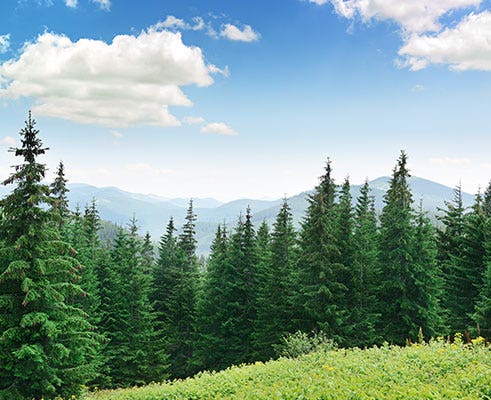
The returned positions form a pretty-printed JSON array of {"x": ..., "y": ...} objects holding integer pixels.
[
  {"x": 437, "y": 371},
  {"x": 300, "y": 343},
  {"x": 47, "y": 346}
]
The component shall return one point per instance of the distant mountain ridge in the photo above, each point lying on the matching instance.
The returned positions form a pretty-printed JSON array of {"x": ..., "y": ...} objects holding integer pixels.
[{"x": 153, "y": 212}]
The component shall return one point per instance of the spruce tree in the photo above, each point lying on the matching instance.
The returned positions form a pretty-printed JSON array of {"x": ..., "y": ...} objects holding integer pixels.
[
  {"x": 275, "y": 286},
  {"x": 59, "y": 192},
  {"x": 406, "y": 302},
  {"x": 133, "y": 354},
  {"x": 482, "y": 315},
  {"x": 364, "y": 314},
  {"x": 46, "y": 343},
  {"x": 211, "y": 345},
  {"x": 450, "y": 252},
  {"x": 320, "y": 292}
]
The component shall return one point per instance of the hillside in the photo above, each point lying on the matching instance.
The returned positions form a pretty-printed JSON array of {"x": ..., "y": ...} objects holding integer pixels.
[
  {"x": 153, "y": 212},
  {"x": 436, "y": 371}
]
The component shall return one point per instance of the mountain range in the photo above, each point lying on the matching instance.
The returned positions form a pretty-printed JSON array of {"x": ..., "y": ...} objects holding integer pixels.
[{"x": 152, "y": 212}]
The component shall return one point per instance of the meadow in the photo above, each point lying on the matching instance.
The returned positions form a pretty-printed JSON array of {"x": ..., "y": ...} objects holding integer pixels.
[{"x": 437, "y": 370}]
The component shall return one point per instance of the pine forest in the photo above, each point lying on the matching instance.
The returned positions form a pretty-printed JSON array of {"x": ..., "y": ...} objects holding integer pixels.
[{"x": 78, "y": 312}]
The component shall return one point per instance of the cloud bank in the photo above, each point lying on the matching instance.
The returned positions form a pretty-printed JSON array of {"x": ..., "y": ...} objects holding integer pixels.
[{"x": 131, "y": 81}]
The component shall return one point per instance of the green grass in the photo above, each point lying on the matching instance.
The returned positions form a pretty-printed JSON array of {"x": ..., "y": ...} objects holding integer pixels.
[{"x": 436, "y": 371}]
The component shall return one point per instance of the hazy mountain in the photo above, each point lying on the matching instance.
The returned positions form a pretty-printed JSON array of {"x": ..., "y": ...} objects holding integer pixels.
[{"x": 153, "y": 212}]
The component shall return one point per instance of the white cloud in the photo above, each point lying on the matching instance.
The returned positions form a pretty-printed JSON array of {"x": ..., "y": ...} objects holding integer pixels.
[
  {"x": 116, "y": 134},
  {"x": 172, "y": 22},
  {"x": 219, "y": 128},
  {"x": 4, "y": 43},
  {"x": 417, "y": 88},
  {"x": 194, "y": 120},
  {"x": 103, "y": 4},
  {"x": 450, "y": 161},
  {"x": 130, "y": 81},
  {"x": 145, "y": 168},
  {"x": 318, "y": 2},
  {"x": 232, "y": 32},
  {"x": 7, "y": 141},
  {"x": 414, "y": 16},
  {"x": 465, "y": 47},
  {"x": 71, "y": 3}
]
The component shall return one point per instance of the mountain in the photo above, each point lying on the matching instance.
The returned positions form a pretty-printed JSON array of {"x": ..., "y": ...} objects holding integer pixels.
[{"x": 153, "y": 212}]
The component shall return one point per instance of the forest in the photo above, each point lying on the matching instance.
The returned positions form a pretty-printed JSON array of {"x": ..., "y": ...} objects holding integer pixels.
[{"x": 78, "y": 312}]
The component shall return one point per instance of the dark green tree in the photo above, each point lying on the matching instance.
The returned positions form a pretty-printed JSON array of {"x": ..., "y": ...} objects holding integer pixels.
[
  {"x": 133, "y": 353},
  {"x": 320, "y": 292},
  {"x": 59, "y": 192},
  {"x": 364, "y": 312},
  {"x": 482, "y": 316},
  {"x": 450, "y": 252},
  {"x": 406, "y": 264},
  {"x": 275, "y": 286},
  {"x": 211, "y": 345},
  {"x": 46, "y": 343}
]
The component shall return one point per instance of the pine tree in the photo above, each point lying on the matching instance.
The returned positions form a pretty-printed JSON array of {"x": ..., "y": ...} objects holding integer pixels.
[
  {"x": 274, "y": 294},
  {"x": 211, "y": 345},
  {"x": 133, "y": 354},
  {"x": 482, "y": 315},
  {"x": 450, "y": 251},
  {"x": 46, "y": 343},
  {"x": 405, "y": 268},
  {"x": 364, "y": 314},
  {"x": 319, "y": 291},
  {"x": 465, "y": 279},
  {"x": 59, "y": 192}
]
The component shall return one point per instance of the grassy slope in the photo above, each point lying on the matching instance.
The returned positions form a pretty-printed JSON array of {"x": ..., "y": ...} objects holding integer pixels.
[{"x": 437, "y": 371}]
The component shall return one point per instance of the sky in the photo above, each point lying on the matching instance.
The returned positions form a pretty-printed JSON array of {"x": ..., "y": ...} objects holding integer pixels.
[{"x": 248, "y": 98}]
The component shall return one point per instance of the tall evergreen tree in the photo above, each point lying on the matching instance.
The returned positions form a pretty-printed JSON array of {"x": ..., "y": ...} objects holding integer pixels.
[
  {"x": 465, "y": 279},
  {"x": 211, "y": 346},
  {"x": 364, "y": 313},
  {"x": 275, "y": 286},
  {"x": 133, "y": 354},
  {"x": 319, "y": 291},
  {"x": 46, "y": 344},
  {"x": 450, "y": 252},
  {"x": 403, "y": 307},
  {"x": 59, "y": 192},
  {"x": 482, "y": 316}
]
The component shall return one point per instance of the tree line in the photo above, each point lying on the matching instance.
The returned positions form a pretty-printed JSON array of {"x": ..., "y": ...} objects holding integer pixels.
[{"x": 75, "y": 311}]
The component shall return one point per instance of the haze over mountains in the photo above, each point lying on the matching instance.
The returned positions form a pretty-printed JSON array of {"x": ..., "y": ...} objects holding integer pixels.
[{"x": 153, "y": 212}]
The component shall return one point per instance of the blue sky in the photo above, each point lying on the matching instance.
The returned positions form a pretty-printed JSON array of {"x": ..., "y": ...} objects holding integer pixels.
[{"x": 238, "y": 98}]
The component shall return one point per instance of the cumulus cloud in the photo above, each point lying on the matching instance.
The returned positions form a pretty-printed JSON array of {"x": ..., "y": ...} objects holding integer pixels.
[
  {"x": 103, "y": 4},
  {"x": 71, "y": 3},
  {"x": 132, "y": 80},
  {"x": 450, "y": 161},
  {"x": 194, "y": 120},
  {"x": 465, "y": 47},
  {"x": 145, "y": 168},
  {"x": 414, "y": 16},
  {"x": 4, "y": 43},
  {"x": 219, "y": 128},
  {"x": 417, "y": 88},
  {"x": 232, "y": 32},
  {"x": 318, "y": 2},
  {"x": 7, "y": 141}
]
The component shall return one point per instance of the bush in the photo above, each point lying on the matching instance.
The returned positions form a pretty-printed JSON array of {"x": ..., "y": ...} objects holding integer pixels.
[{"x": 300, "y": 343}]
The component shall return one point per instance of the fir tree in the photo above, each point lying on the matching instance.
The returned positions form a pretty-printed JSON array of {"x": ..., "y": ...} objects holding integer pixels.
[
  {"x": 46, "y": 344},
  {"x": 482, "y": 316},
  {"x": 405, "y": 268},
  {"x": 364, "y": 313},
  {"x": 59, "y": 192},
  {"x": 450, "y": 252},
  {"x": 319, "y": 291},
  {"x": 212, "y": 342},
  {"x": 133, "y": 354},
  {"x": 274, "y": 294}
]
